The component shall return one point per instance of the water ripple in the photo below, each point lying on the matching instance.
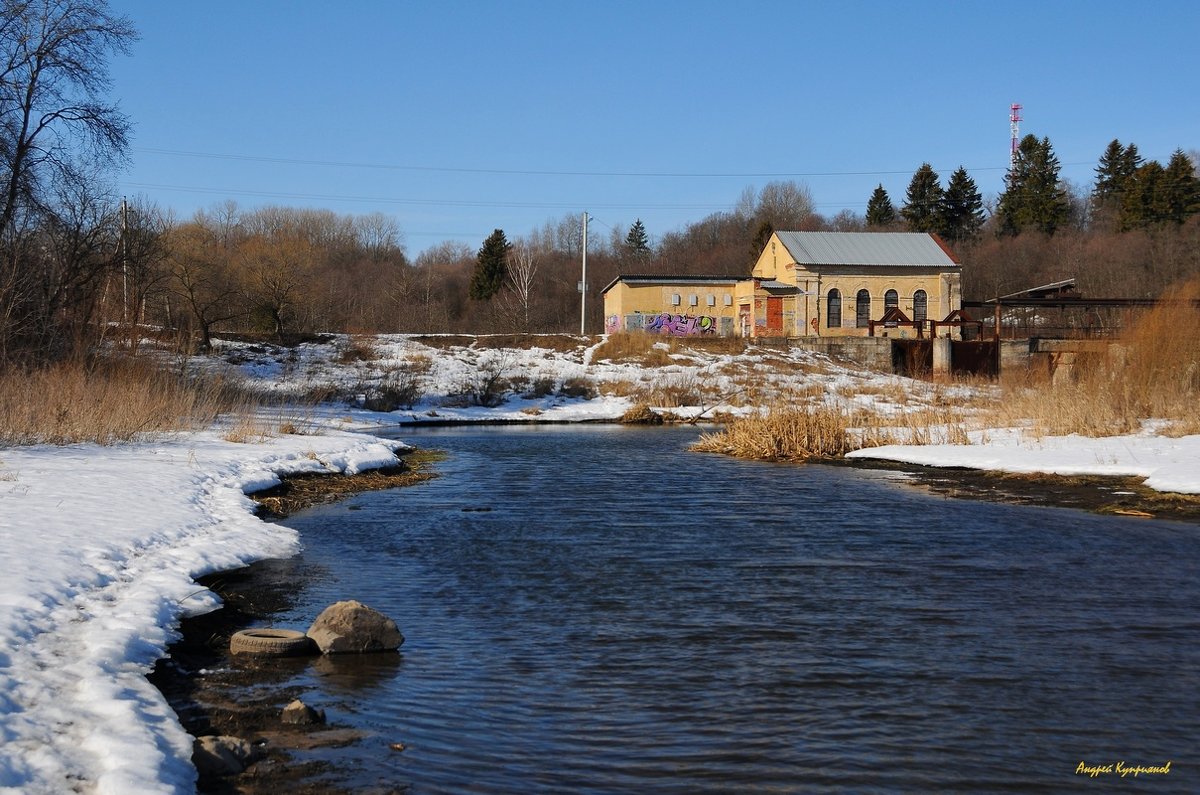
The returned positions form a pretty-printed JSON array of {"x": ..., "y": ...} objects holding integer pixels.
[{"x": 627, "y": 617}]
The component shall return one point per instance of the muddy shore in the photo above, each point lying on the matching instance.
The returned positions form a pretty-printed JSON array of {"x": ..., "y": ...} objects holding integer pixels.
[{"x": 216, "y": 693}]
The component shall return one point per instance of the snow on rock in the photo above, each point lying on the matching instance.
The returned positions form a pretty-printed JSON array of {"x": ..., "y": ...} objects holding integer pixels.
[{"x": 100, "y": 549}]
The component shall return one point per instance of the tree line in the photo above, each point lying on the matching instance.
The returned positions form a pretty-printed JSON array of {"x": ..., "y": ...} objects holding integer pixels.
[{"x": 78, "y": 266}]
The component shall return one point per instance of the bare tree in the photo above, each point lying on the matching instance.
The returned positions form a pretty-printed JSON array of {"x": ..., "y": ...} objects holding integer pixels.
[
  {"x": 276, "y": 275},
  {"x": 142, "y": 262},
  {"x": 53, "y": 75},
  {"x": 379, "y": 235},
  {"x": 202, "y": 278},
  {"x": 522, "y": 271},
  {"x": 56, "y": 135}
]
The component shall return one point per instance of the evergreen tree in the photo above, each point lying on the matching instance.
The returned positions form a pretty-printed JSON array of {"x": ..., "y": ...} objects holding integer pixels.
[
  {"x": 762, "y": 236},
  {"x": 491, "y": 267},
  {"x": 1145, "y": 199},
  {"x": 1114, "y": 176},
  {"x": 880, "y": 212},
  {"x": 962, "y": 207},
  {"x": 1033, "y": 200},
  {"x": 1181, "y": 188},
  {"x": 922, "y": 202},
  {"x": 637, "y": 242}
]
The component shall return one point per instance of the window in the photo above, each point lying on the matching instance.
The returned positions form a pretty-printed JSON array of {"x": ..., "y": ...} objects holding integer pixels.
[
  {"x": 920, "y": 305},
  {"x": 862, "y": 308},
  {"x": 693, "y": 300},
  {"x": 891, "y": 300},
  {"x": 833, "y": 309},
  {"x": 675, "y": 299},
  {"x": 711, "y": 299}
]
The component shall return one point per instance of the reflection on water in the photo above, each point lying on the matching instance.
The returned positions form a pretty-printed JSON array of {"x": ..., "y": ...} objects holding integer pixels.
[{"x": 598, "y": 610}]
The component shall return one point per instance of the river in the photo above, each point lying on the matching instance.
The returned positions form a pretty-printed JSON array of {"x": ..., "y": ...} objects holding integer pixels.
[{"x": 593, "y": 609}]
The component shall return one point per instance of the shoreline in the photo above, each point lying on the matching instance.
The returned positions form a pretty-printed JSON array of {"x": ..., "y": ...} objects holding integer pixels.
[{"x": 212, "y": 692}]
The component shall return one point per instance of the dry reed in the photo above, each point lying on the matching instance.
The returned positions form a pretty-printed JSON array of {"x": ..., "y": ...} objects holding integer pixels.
[
  {"x": 106, "y": 402},
  {"x": 783, "y": 434},
  {"x": 1153, "y": 373}
]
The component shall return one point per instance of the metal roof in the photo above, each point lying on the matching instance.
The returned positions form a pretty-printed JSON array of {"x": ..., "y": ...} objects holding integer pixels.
[
  {"x": 692, "y": 280},
  {"x": 896, "y": 249}
]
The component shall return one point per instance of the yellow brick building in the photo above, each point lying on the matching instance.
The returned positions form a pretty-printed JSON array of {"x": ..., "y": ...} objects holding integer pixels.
[
  {"x": 803, "y": 284},
  {"x": 836, "y": 283}
]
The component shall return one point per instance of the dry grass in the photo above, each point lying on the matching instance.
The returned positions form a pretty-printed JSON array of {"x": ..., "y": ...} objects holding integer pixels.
[
  {"x": 637, "y": 347},
  {"x": 641, "y": 414},
  {"x": 106, "y": 402},
  {"x": 783, "y": 434},
  {"x": 1154, "y": 373},
  {"x": 560, "y": 343},
  {"x": 358, "y": 349}
]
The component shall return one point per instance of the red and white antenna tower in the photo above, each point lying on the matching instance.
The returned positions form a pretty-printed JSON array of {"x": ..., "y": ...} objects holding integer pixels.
[{"x": 1014, "y": 121}]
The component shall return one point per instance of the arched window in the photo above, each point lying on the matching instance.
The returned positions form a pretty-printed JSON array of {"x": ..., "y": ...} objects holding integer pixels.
[
  {"x": 891, "y": 300},
  {"x": 833, "y": 309},
  {"x": 920, "y": 305},
  {"x": 863, "y": 309}
]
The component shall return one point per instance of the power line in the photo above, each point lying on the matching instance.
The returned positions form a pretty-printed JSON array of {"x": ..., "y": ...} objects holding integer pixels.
[
  {"x": 564, "y": 205},
  {"x": 537, "y": 172},
  {"x": 419, "y": 202}
]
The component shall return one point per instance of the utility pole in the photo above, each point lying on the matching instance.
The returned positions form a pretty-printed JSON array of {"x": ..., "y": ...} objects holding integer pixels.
[
  {"x": 583, "y": 283},
  {"x": 124, "y": 261}
]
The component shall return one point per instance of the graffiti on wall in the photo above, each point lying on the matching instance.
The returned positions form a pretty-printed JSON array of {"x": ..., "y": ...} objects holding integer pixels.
[
  {"x": 681, "y": 325},
  {"x": 612, "y": 324}
]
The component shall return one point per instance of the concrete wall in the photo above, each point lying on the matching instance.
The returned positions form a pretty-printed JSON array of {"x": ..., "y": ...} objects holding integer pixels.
[{"x": 872, "y": 352}]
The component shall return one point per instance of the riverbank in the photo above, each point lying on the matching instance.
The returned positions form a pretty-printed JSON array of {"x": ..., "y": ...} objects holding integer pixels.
[
  {"x": 102, "y": 549},
  {"x": 214, "y": 692}
]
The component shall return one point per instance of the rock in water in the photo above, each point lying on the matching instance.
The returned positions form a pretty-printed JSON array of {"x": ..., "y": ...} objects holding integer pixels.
[
  {"x": 353, "y": 628},
  {"x": 222, "y": 756},
  {"x": 301, "y": 714}
]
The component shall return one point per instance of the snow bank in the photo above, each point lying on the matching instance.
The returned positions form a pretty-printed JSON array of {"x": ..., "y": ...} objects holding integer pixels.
[
  {"x": 100, "y": 549},
  {"x": 1167, "y": 464}
]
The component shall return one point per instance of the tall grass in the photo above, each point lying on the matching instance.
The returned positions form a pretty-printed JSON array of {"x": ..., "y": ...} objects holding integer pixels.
[
  {"x": 783, "y": 434},
  {"x": 1152, "y": 374},
  {"x": 108, "y": 401}
]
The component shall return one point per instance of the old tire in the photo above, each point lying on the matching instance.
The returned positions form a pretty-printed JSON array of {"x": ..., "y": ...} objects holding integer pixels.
[{"x": 270, "y": 643}]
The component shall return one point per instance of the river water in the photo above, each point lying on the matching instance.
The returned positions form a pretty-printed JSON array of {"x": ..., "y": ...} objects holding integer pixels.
[{"x": 595, "y": 609}]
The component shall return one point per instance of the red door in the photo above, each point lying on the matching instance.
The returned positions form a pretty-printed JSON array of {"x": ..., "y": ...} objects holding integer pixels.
[{"x": 774, "y": 316}]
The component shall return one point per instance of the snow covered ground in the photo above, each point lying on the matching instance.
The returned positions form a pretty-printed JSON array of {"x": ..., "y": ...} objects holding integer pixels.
[
  {"x": 101, "y": 545},
  {"x": 100, "y": 548}
]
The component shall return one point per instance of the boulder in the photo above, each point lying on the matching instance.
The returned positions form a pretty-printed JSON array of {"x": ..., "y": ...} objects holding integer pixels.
[
  {"x": 300, "y": 714},
  {"x": 352, "y": 627},
  {"x": 216, "y": 756}
]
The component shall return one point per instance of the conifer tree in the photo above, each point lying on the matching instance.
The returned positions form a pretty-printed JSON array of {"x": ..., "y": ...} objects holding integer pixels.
[
  {"x": 962, "y": 207},
  {"x": 637, "y": 241},
  {"x": 1145, "y": 201},
  {"x": 491, "y": 267},
  {"x": 1033, "y": 200},
  {"x": 880, "y": 212},
  {"x": 1114, "y": 176},
  {"x": 759, "y": 242},
  {"x": 922, "y": 202},
  {"x": 1181, "y": 188}
]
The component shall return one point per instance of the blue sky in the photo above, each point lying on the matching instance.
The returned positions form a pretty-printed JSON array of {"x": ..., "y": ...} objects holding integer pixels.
[{"x": 456, "y": 118}]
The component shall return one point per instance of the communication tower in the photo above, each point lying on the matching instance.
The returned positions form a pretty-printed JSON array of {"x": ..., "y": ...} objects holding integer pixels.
[{"x": 1014, "y": 122}]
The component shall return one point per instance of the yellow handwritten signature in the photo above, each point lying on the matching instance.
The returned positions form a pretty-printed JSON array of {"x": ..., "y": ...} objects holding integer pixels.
[{"x": 1121, "y": 769}]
